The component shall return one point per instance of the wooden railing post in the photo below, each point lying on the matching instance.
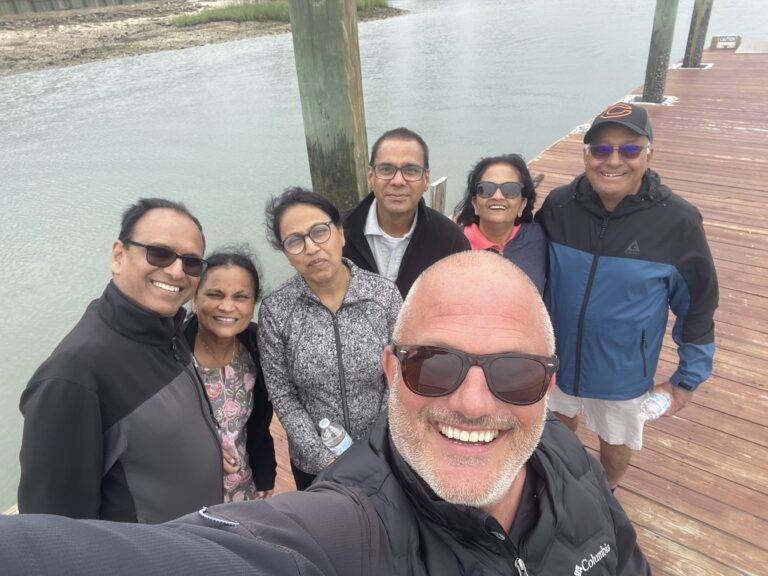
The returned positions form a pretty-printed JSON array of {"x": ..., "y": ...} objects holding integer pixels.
[
  {"x": 327, "y": 57},
  {"x": 661, "y": 46},
  {"x": 697, "y": 33}
]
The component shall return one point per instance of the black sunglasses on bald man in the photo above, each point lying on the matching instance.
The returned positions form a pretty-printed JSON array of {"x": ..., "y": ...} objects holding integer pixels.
[{"x": 512, "y": 377}]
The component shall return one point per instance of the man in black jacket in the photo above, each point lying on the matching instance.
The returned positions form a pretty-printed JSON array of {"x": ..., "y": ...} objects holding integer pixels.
[
  {"x": 393, "y": 232},
  {"x": 116, "y": 422},
  {"x": 466, "y": 474}
]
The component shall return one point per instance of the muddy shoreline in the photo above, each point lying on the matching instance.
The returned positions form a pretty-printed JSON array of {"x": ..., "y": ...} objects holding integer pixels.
[{"x": 37, "y": 41}]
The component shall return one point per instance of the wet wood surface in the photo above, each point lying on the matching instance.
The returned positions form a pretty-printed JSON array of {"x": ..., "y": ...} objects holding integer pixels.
[{"x": 698, "y": 491}]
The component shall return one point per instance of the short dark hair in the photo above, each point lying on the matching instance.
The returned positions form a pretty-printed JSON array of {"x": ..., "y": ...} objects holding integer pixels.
[
  {"x": 466, "y": 215},
  {"x": 401, "y": 134},
  {"x": 277, "y": 205},
  {"x": 135, "y": 212},
  {"x": 240, "y": 256}
]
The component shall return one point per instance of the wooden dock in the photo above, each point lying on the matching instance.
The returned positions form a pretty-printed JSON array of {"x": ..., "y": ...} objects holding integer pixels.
[{"x": 698, "y": 492}]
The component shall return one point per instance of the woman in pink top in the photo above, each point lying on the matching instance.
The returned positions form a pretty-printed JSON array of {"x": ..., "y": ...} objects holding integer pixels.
[{"x": 496, "y": 214}]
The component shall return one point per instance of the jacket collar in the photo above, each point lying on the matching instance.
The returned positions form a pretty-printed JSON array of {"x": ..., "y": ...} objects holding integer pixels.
[
  {"x": 651, "y": 192},
  {"x": 354, "y": 223},
  {"x": 354, "y": 290},
  {"x": 132, "y": 321}
]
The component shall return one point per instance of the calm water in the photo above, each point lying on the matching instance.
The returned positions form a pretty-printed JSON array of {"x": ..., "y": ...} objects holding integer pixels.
[{"x": 220, "y": 128}]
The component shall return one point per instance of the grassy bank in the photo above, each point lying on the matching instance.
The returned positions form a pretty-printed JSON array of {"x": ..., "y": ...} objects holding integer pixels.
[{"x": 246, "y": 12}]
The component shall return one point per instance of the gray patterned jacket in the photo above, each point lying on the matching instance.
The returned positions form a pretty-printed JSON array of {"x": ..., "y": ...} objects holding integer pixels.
[{"x": 322, "y": 365}]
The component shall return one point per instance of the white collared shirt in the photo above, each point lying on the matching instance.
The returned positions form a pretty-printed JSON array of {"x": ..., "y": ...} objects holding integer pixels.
[{"x": 387, "y": 250}]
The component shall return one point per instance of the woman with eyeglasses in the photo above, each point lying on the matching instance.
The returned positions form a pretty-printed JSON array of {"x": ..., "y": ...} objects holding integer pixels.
[
  {"x": 496, "y": 214},
  {"x": 322, "y": 333},
  {"x": 223, "y": 339}
]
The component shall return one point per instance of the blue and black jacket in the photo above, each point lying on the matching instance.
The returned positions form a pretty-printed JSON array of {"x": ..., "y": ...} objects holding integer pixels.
[{"x": 613, "y": 276}]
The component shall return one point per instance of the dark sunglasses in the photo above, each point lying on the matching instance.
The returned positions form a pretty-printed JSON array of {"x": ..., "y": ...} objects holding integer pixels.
[
  {"x": 163, "y": 257},
  {"x": 512, "y": 377},
  {"x": 626, "y": 151},
  {"x": 509, "y": 190}
]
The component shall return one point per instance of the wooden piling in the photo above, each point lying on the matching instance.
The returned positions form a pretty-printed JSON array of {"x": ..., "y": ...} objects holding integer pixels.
[
  {"x": 330, "y": 85},
  {"x": 697, "y": 33},
  {"x": 661, "y": 46}
]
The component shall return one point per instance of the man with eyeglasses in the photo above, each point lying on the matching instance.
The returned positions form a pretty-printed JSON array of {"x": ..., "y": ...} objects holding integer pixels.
[
  {"x": 466, "y": 474},
  {"x": 624, "y": 250},
  {"x": 116, "y": 422},
  {"x": 393, "y": 232}
]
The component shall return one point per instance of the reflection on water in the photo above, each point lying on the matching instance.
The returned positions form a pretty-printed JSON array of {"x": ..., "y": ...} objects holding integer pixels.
[{"x": 219, "y": 127}]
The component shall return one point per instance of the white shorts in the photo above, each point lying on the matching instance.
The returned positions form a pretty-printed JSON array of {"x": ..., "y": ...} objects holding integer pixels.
[{"x": 614, "y": 421}]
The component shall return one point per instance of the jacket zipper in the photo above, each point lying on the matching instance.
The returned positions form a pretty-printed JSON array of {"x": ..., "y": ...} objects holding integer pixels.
[
  {"x": 642, "y": 352},
  {"x": 583, "y": 312},
  {"x": 200, "y": 388},
  {"x": 521, "y": 569},
  {"x": 342, "y": 379}
]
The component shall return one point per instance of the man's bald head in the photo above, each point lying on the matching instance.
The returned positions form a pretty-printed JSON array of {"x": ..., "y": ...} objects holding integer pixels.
[{"x": 471, "y": 284}]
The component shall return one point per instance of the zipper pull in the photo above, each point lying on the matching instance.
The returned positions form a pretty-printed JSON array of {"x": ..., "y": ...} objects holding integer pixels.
[
  {"x": 603, "y": 227},
  {"x": 175, "y": 350},
  {"x": 521, "y": 569}
]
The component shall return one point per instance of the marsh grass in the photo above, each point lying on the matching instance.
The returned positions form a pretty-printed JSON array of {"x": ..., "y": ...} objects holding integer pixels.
[{"x": 249, "y": 12}]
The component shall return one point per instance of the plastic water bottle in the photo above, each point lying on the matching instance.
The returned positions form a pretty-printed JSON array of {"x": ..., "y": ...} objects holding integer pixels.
[
  {"x": 655, "y": 405},
  {"x": 333, "y": 435}
]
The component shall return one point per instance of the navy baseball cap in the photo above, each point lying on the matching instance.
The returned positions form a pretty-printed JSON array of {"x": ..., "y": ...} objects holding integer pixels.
[{"x": 633, "y": 117}]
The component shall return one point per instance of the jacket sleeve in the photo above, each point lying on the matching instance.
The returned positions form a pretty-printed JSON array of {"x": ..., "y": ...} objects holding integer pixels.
[
  {"x": 259, "y": 443},
  {"x": 693, "y": 299},
  {"x": 631, "y": 561},
  {"x": 61, "y": 450},
  {"x": 295, "y": 534},
  {"x": 285, "y": 398},
  {"x": 460, "y": 242}
]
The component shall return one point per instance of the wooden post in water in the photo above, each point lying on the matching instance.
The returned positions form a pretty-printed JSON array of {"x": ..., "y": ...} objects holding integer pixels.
[
  {"x": 330, "y": 84},
  {"x": 697, "y": 33},
  {"x": 661, "y": 46}
]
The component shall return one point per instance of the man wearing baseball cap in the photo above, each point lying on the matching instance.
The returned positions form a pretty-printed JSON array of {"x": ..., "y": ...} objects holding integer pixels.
[{"x": 624, "y": 250}]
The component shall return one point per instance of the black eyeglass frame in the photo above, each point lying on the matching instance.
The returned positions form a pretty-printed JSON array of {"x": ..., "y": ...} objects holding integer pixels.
[
  {"x": 185, "y": 258},
  {"x": 304, "y": 237},
  {"x": 518, "y": 192},
  {"x": 549, "y": 363},
  {"x": 376, "y": 168}
]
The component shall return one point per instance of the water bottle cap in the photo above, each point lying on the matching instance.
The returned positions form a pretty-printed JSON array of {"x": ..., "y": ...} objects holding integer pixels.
[{"x": 324, "y": 423}]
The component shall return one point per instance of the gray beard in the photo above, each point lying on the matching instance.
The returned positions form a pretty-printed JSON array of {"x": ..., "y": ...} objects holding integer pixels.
[{"x": 411, "y": 448}]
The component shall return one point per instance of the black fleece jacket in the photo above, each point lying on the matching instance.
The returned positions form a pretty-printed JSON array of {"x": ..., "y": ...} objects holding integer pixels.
[
  {"x": 116, "y": 422},
  {"x": 434, "y": 238}
]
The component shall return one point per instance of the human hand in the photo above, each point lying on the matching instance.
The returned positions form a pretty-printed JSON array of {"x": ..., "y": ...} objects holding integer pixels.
[
  {"x": 264, "y": 494},
  {"x": 230, "y": 461},
  {"x": 679, "y": 396}
]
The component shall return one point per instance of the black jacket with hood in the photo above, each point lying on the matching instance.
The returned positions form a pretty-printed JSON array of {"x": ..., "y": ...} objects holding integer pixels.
[{"x": 368, "y": 515}]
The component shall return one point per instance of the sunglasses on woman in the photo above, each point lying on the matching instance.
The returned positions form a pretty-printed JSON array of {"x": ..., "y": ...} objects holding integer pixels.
[
  {"x": 512, "y": 377},
  {"x": 626, "y": 151},
  {"x": 163, "y": 257},
  {"x": 509, "y": 190}
]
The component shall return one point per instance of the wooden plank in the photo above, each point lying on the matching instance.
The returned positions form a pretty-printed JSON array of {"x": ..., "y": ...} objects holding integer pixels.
[
  {"x": 707, "y": 541},
  {"x": 708, "y": 508}
]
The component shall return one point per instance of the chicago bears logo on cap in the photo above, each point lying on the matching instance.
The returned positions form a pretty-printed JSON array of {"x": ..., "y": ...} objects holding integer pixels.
[{"x": 618, "y": 110}]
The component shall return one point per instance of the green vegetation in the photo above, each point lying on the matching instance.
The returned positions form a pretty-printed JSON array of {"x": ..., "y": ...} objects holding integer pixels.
[{"x": 276, "y": 11}]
